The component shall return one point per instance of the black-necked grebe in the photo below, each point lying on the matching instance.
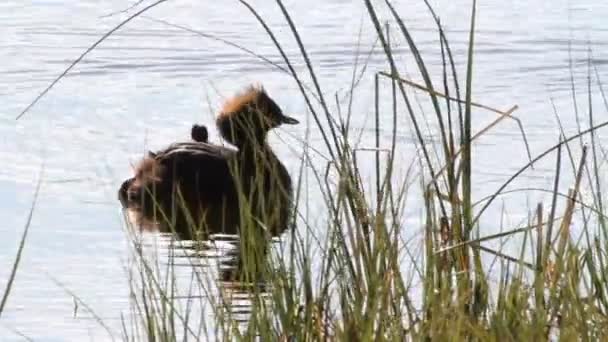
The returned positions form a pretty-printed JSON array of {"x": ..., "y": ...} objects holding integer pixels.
[{"x": 197, "y": 188}]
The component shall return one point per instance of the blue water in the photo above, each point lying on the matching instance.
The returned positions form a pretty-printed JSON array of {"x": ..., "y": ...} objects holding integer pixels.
[{"x": 146, "y": 85}]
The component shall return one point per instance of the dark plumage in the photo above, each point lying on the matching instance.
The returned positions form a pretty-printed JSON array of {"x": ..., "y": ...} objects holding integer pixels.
[
  {"x": 199, "y": 133},
  {"x": 199, "y": 188}
]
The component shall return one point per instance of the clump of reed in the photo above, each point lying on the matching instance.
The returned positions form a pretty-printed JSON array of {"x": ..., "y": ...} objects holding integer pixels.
[{"x": 352, "y": 277}]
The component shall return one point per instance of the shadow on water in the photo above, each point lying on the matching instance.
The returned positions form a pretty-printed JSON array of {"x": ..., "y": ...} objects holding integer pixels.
[
  {"x": 195, "y": 277},
  {"x": 222, "y": 251}
]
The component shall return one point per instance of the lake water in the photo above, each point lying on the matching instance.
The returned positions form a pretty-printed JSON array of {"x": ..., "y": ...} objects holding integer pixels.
[{"x": 143, "y": 88}]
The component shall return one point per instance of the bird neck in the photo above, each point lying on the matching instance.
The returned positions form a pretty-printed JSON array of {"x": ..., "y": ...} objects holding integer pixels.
[
  {"x": 256, "y": 152},
  {"x": 242, "y": 131}
]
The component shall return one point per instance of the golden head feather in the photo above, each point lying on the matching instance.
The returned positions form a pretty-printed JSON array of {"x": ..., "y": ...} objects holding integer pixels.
[{"x": 251, "y": 95}]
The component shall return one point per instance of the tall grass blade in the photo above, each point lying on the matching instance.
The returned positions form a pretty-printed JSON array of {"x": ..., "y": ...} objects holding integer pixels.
[
  {"x": 466, "y": 141},
  {"x": 26, "y": 229},
  {"x": 395, "y": 73}
]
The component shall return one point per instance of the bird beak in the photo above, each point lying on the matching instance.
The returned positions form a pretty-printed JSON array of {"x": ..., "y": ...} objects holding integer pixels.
[{"x": 289, "y": 120}]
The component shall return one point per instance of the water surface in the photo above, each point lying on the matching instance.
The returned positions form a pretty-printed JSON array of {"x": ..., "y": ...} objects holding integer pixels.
[{"x": 146, "y": 85}]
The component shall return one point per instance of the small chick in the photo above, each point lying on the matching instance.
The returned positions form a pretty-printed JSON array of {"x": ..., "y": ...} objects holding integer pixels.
[{"x": 199, "y": 133}]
